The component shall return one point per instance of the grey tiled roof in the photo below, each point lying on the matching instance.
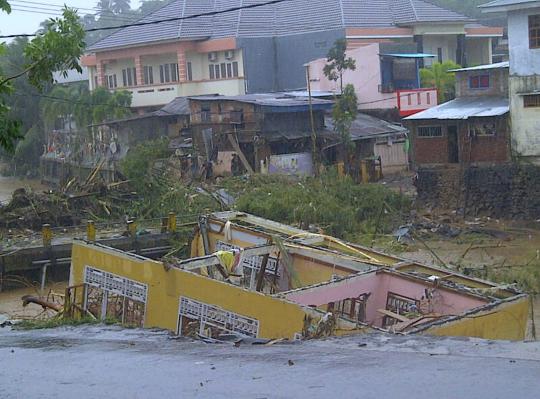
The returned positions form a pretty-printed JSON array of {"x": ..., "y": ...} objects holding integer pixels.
[{"x": 289, "y": 17}]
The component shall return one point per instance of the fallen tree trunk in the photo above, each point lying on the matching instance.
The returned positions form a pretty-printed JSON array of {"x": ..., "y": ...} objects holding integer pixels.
[{"x": 42, "y": 302}]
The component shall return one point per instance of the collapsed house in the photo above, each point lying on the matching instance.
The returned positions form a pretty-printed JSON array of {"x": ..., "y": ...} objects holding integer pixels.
[
  {"x": 72, "y": 153},
  {"x": 267, "y": 133},
  {"x": 256, "y": 278}
]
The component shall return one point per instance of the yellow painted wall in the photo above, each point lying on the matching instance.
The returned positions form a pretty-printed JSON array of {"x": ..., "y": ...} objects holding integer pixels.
[
  {"x": 307, "y": 271},
  {"x": 508, "y": 322},
  {"x": 277, "y": 318}
]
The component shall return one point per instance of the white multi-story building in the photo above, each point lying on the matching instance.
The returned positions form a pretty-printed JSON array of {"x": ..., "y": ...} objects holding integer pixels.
[{"x": 524, "y": 84}]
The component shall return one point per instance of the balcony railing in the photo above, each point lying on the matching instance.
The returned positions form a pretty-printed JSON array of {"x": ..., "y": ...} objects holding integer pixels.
[{"x": 413, "y": 101}]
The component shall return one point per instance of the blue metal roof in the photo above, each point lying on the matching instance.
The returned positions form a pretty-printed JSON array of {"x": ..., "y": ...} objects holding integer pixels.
[{"x": 410, "y": 55}]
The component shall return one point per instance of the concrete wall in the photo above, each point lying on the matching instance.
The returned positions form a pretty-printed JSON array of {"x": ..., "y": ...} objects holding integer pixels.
[
  {"x": 523, "y": 60},
  {"x": 479, "y": 50},
  {"x": 475, "y": 150},
  {"x": 498, "y": 83},
  {"x": 525, "y": 121},
  {"x": 294, "y": 51},
  {"x": 277, "y": 318},
  {"x": 366, "y": 78},
  {"x": 501, "y": 191},
  {"x": 379, "y": 285},
  {"x": 260, "y": 63}
]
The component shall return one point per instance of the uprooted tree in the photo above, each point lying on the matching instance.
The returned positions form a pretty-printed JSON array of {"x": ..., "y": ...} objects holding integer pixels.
[{"x": 57, "y": 48}]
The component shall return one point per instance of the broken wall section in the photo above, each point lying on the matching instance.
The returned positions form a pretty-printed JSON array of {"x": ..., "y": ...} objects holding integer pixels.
[{"x": 509, "y": 191}]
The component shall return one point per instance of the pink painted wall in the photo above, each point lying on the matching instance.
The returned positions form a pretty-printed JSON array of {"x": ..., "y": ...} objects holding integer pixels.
[
  {"x": 366, "y": 78},
  {"x": 445, "y": 302}
]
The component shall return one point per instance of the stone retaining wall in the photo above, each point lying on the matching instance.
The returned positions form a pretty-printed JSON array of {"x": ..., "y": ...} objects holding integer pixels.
[{"x": 509, "y": 191}]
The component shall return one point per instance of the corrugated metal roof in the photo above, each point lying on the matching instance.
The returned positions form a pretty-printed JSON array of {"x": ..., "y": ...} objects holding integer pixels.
[
  {"x": 366, "y": 127},
  {"x": 465, "y": 108},
  {"x": 289, "y": 17},
  {"x": 504, "y": 3},
  {"x": 409, "y": 55},
  {"x": 270, "y": 100},
  {"x": 178, "y": 106},
  {"x": 498, "y": 65}
]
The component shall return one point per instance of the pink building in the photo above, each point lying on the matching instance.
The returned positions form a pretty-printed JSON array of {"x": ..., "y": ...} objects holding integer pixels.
[{"x": 383, "y": 79}]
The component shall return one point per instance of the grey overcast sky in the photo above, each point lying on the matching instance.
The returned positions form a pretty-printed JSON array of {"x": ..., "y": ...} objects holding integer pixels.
[{"x": 28, "y": 14}]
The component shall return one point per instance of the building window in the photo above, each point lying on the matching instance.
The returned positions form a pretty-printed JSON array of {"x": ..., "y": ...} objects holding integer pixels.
[
  {"x": 148, "y": 75},
  {"x": 428, "y": 99},
  {"x": 439, "y": 55},
  {"x": 531, "y": 101},
  {"x": 534, "y": 31},
  {"x": 111, "y": 82},
  {"x": 430, "y": 131},
  {"x": 189, "y": 71},
  {"x": 129, "y": 77},
  {"x": 223, "y": 70},
  {"x": 206, "y": 114},
  {"x": 482, "y": 129},
  {"x": 479, "y": 82},
  {"x": 168, "y": 73}
]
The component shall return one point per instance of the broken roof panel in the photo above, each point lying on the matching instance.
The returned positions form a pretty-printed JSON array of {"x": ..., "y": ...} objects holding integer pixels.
[
  {"x": 273, "y": 102},
  {"x": 367, "y": 126},
  {"x": 465, "y": 108}
]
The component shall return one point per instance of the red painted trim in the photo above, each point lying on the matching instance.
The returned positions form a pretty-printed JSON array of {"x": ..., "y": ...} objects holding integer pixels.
[{"x": 410, "y": 112}]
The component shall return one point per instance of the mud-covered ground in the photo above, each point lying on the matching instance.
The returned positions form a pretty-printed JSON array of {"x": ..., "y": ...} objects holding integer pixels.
[{"x": 106, "y": 362}]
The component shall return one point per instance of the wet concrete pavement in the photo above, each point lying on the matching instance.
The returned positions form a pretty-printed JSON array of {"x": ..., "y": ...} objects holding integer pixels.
[{"x": 107, "y": 362}]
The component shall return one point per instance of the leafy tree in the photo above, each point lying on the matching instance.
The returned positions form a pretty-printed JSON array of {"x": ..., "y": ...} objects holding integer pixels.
[
  {"x": 149, "y": 6},
  {"x": 344, "y": 113},
  {"x": 58, "y": 48},
  {"x": 438, "y": 75},
  {"x": 338, "y": 62}
]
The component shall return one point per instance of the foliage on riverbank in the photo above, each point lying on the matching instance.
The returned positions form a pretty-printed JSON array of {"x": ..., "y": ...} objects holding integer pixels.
[{"x": 330, "y": 204}]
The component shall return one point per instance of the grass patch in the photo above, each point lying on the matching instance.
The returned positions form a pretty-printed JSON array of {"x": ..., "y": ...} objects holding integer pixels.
[{"x": 53, "y": 323}]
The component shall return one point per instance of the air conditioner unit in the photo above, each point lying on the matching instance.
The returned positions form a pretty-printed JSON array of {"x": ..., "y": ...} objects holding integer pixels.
[
  {"x": 212, "y": 57},
  {"x": 229, "y": 54}
]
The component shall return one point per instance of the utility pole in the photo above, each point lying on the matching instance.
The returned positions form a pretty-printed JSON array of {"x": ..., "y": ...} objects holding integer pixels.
[{"x": 314, "y": 154}]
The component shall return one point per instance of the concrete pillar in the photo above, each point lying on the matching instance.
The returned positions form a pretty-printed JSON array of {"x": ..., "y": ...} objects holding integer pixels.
[
  {"x": 461, "y": 54},
  {"x": 100, "y": 74},
  {"x": 419, "y": 40},
  {"x": 182, "y": 69},
  {"x": 139, "y": 70},
  {"x": 91, "y": 231}
]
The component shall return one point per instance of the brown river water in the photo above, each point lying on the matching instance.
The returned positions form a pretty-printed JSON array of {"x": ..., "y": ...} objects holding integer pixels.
[{"x": 10, "y": 184}]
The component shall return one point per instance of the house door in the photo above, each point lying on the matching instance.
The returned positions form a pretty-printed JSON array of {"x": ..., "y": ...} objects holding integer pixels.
[{"x": 453, "y": 148}]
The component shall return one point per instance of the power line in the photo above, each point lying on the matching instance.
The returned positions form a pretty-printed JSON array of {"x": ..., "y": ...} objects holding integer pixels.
[
  {"x": 60, "y": 5},
  {"x": 144, "y": 23}
]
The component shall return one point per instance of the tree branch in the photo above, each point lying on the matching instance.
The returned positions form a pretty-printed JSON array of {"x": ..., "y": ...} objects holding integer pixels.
[{"x": 22, "y": 73}]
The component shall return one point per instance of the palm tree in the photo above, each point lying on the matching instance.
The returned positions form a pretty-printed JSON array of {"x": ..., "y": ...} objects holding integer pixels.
[{"x": 438, "y": 75}]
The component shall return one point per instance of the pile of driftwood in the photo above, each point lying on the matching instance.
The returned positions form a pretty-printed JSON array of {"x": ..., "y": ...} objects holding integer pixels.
[{"x": 66, "y": 207}]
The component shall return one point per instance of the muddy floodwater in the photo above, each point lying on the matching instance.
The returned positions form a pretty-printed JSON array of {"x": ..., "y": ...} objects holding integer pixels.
[{"x": 10, "y": 184}]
